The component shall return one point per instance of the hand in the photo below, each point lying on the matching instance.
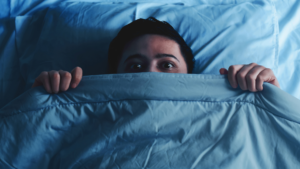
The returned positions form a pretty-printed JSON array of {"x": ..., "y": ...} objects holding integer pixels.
[
  {"x": 56, "y": 81},
  {"x": 250, "y": 77}
]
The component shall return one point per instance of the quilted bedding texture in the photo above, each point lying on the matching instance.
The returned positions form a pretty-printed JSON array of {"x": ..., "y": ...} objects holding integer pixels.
[{"x": 151, "y": 120}]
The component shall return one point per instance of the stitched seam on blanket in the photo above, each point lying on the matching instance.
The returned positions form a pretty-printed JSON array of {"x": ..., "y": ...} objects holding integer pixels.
[
  {"x": 193, "y": 76},
  {"x": 63, "y": 104}
]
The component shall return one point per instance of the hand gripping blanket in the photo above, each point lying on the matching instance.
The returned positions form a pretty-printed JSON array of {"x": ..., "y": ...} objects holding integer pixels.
[{"x": 151, "y": 120}]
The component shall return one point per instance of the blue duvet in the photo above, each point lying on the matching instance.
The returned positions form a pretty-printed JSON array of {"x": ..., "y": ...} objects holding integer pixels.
[{"x": 151, "y": 120}]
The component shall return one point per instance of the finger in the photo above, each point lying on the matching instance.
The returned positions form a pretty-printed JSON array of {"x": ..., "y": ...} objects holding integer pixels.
[
  {"x": 232, "y": 71},
  {"x": 276, "y": 83},
  {"x": 76, "y": 76},
  {"x": 241, "y": 75},
  {"x": 266, "y": 75},
  {"x": 37, "y": 82},
  {"x": 252, "y": 76},
  {"x": 65, "y": 80},
  {"x": 223, "y": 71},
  {"x": 43, "y": 79},
  {"x": 54, "y": 81}
]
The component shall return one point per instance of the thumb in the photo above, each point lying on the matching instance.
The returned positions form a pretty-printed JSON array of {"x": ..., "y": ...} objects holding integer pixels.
[
  {"x": 273, "y": 81},
  {"x": 37, "y": 82},
  {"x": 223, "y": 71},
  {"x": 76, "y": 76}
]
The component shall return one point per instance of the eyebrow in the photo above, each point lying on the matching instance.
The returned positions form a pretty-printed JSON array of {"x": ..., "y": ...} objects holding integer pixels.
[{"x": 160, "y": 55}]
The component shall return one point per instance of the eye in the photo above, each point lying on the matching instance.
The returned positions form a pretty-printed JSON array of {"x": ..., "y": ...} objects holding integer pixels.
[
  {"x": 135, "y": 66},
  {"x": 167, "y": 65}
]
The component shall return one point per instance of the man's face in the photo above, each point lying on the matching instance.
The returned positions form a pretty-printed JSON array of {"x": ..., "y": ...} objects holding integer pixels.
[{"x": 152, "y": 53}]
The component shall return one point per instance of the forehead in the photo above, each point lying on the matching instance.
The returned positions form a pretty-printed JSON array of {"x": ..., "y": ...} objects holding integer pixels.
[
  {"x": 151, "y": 38},
  {"x": 152, "y": 48},
  {"x": 151, "y": 45}
]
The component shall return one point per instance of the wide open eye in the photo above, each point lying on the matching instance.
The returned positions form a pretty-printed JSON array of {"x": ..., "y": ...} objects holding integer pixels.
[
  {"x": 136, "y": 66},
  {"x": 167, "y": 65}
]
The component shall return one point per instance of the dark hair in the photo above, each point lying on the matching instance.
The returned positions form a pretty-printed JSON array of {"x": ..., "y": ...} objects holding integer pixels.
[{"x": 146, "y": 26}]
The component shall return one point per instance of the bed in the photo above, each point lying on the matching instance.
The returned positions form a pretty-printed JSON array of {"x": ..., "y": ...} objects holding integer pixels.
[{"x": 149, "y": 120}]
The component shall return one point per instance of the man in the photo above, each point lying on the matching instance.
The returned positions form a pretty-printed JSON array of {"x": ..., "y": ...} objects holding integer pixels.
[{"x": 149, "y": 45}]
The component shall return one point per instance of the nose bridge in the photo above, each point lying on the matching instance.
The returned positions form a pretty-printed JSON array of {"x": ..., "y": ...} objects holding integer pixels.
[{"x": 152, "y": 67}]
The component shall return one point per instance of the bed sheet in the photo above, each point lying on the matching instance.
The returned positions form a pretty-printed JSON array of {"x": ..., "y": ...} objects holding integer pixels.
[
  {"x": 12, "y": 84},
  {"x": 139, "y": 120},
  {"x": 74, "y": 34}
]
